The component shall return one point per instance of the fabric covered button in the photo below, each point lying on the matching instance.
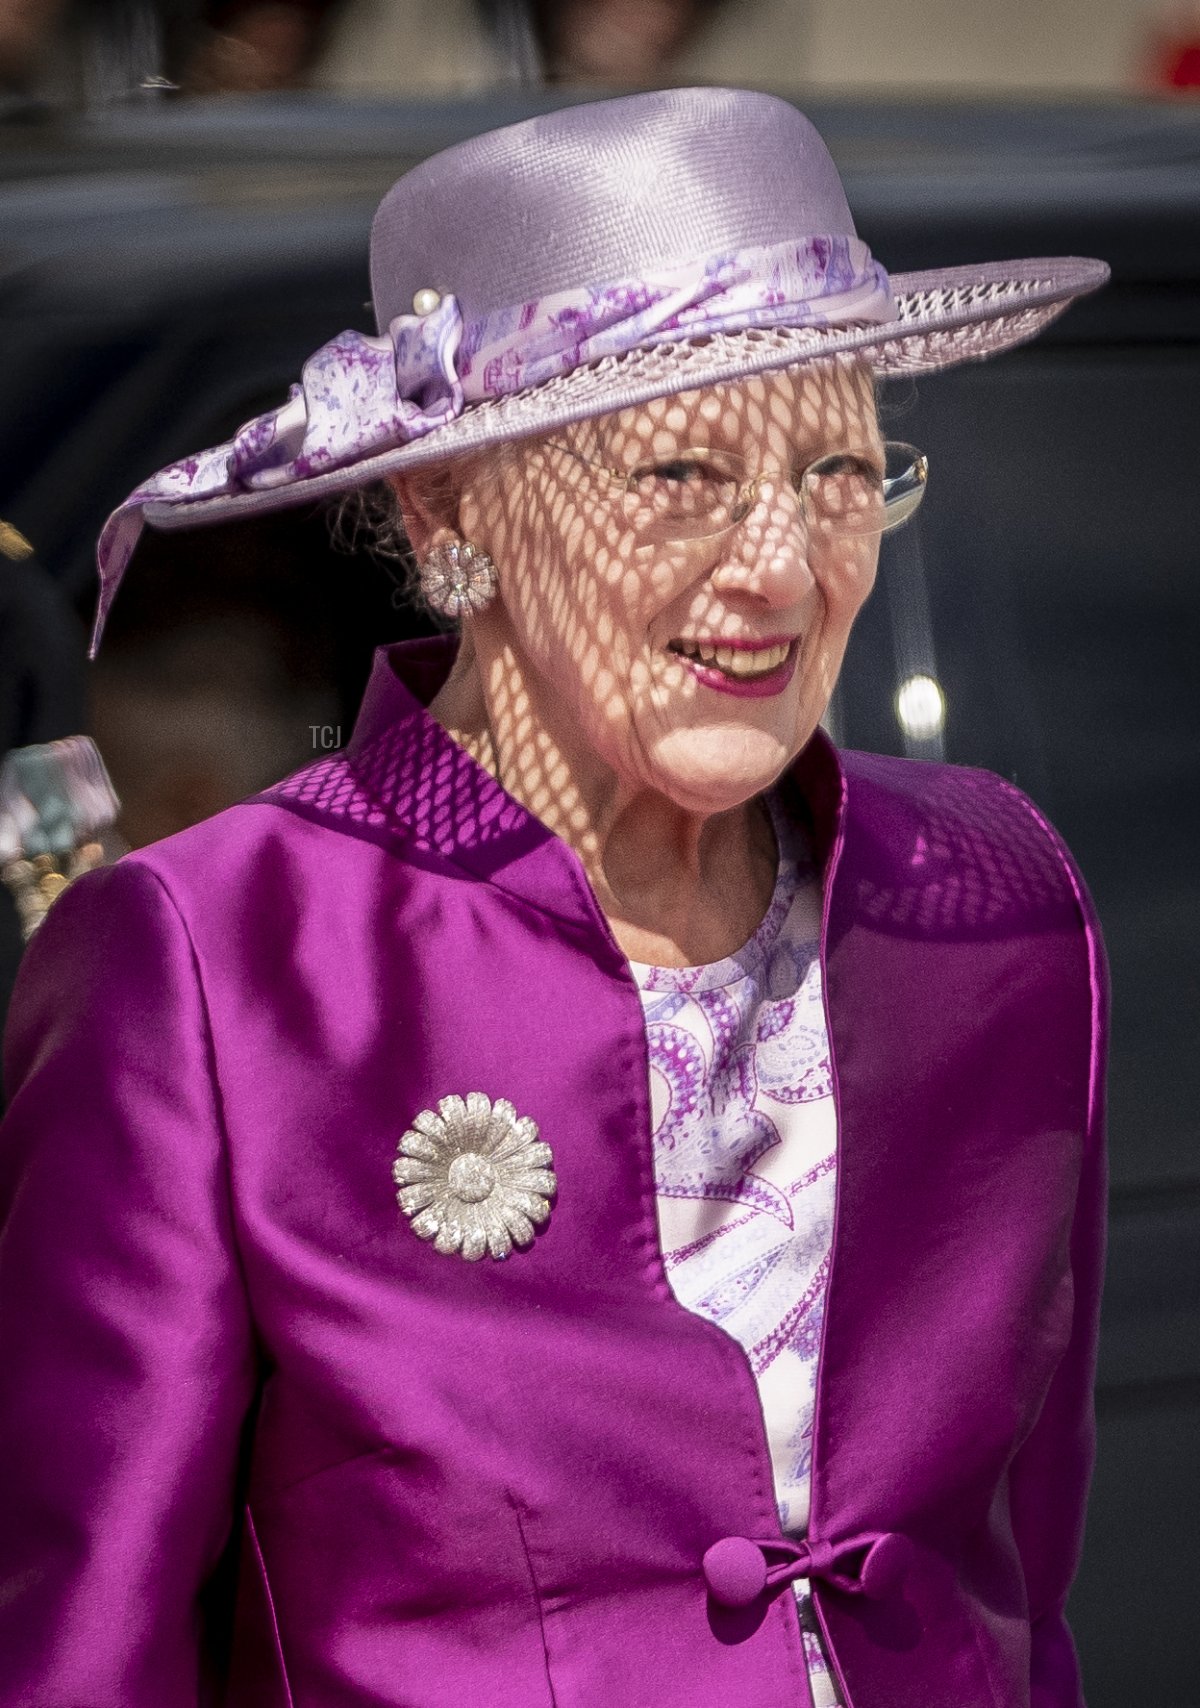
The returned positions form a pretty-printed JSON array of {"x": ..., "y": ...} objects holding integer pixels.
[
  {"x": 735, "y": 1570},
  {"x": 885, "y": 1565}
]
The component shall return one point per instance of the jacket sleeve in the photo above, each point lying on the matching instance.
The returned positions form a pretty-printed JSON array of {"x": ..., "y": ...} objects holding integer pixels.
[
  {"x": 125, "y": 1342},
  {"x": 1051, "y": 1473}
]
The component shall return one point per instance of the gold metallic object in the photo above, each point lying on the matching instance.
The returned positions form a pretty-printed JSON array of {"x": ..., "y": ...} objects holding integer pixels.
[
  {"x": 13, "y": 543},
  {"x": 57, "y": 811},
  {"x": 35, "y": 884}
]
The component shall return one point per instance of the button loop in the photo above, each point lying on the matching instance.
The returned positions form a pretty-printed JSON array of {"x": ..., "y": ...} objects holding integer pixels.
[{"x": 739, "y": 1569}]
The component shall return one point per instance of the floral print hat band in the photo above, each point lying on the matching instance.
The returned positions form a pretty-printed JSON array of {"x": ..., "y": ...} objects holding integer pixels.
[{"x": 586, "y": 261}]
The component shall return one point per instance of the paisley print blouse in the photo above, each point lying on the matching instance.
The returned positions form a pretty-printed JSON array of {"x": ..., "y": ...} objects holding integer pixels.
[{"x": 745, "y": 1157}]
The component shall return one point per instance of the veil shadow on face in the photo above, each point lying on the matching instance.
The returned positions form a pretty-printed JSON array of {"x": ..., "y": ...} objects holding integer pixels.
[{"x": 577, "y": 675}]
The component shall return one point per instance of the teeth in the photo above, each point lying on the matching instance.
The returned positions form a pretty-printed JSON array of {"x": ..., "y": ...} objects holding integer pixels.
[{"x": 735, "y": 661}]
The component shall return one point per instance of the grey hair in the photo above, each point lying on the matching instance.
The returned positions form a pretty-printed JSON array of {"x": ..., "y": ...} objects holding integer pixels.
[{"x": 370, "y": 519}]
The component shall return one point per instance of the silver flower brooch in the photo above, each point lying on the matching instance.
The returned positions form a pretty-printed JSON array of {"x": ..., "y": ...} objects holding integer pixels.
[{"x": 472, "y": 1176}]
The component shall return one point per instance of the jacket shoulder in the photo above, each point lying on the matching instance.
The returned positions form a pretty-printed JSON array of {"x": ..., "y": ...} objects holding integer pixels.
[{"x": 975, "y": 844}]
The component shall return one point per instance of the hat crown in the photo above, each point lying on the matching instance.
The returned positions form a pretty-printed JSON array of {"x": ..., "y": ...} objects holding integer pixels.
[{"x": 601, "y": 193}]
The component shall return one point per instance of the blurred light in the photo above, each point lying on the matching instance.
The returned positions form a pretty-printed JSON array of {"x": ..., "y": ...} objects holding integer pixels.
[{"x": 920, "y": 708}]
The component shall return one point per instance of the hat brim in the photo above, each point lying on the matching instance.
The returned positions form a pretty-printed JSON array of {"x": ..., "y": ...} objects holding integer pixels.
[{"x": 946, "y": 317}]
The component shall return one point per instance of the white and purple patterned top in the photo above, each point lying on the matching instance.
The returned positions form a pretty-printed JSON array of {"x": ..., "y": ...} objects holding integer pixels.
[{"x": 745, "y": 1153}]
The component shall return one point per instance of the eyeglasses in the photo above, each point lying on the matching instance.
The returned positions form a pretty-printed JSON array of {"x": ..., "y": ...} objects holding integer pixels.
[{"x": 696, "y": 494}]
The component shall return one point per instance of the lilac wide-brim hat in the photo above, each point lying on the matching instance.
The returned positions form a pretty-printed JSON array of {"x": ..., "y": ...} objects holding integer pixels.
[{"x": 582, "y": 262}]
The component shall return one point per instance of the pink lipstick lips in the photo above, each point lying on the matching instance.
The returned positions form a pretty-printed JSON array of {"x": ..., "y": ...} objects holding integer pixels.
[{"x": 720, "y": 666}]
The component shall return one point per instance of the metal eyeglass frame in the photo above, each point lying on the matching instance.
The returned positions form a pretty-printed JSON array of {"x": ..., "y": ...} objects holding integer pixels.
[{"x": 897, "y": 506}]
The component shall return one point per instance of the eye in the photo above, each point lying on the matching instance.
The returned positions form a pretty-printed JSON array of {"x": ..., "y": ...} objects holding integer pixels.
[
  {"x": 680, "y": 494},
  {"x": 845, "y": 492},
  {"x": 847, "y": 465},
  {"x": 679, "y": 471}
]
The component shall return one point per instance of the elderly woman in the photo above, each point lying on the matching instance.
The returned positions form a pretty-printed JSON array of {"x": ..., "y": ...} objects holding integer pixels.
[{"x": 590, "y": 1194}]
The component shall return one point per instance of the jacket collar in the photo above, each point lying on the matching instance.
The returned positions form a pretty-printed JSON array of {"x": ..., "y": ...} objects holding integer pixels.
[{"x": 447, "y": 805}]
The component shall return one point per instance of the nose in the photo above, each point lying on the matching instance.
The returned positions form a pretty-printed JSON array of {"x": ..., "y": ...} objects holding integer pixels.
[{"x": 766, "y": 555}]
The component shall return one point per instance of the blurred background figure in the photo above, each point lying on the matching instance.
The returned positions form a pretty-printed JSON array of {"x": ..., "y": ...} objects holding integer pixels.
[
  {"x": 414, "y": 47},
  {"x": 443, "y": 47},
  {"x": 42, "y": 697},
  {"x": 1173, "y": 59},
  {"x": 26, "y": 29},
  {"x": 616, "y": 41},
  {"x": 256, "y": 46},
  {"x": 223, "y": 678},
  {"x": 192, "y": 719},
  {"x": 20, "y": 35},
  {"x": 88, "y": 52}
]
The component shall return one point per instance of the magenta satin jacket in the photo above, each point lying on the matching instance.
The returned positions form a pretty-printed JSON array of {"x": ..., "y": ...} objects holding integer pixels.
[{"x": 495, "y": 1484}]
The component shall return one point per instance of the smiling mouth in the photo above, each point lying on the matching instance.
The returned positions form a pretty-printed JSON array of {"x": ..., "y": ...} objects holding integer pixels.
[{"x": 744, "y": 664}]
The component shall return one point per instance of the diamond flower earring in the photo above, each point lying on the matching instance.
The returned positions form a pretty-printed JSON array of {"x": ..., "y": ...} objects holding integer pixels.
[{"x": 457, "y": 577}]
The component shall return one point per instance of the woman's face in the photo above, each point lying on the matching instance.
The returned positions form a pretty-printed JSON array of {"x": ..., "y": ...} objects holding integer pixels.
[{"x": 695, "y": 668}]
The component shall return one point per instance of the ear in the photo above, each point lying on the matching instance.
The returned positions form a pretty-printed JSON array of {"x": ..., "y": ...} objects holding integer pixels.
[{"x": 424, "y": 523}]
